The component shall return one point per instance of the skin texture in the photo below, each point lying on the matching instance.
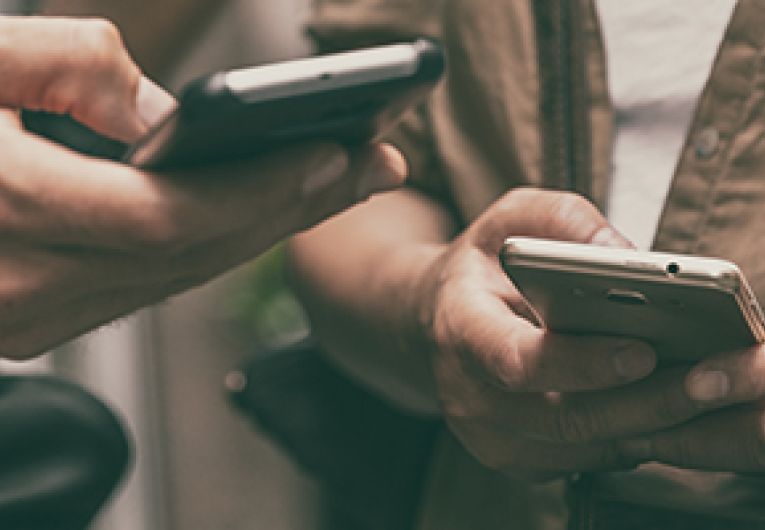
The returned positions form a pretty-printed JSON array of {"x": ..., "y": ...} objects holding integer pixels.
[
  {"x": 156, "y": 33},
  {"x": 429, "y": 320},
  {"x": 84, "y": 241}
]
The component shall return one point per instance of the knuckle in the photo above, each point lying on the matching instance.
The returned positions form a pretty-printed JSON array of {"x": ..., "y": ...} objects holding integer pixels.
[
  {"x": 575, "y": 425},
  {"x": 56, "y": 101},
  {"x": 511, "y": 370},
  {"x": 56, "y": 97},
  {"x": 567, "y": 428},
  {"x": 103, "y": 33},
  {"x": 157, "y": 218},
  {"x": 567, "y": 208},
  {"x": 501, "y": 363},
  {"x": 160, "y": 238},
  {"x": 106, "y": 51},
  {"x": 522, "y": 194},
  {"x": 672, "y": 407},
  {"x": 99, "y": 60},
  {"x": 156, "y": 233}
]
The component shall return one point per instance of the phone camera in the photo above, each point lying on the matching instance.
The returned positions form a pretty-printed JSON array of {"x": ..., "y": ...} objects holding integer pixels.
[{"x": 673, "y": 268}]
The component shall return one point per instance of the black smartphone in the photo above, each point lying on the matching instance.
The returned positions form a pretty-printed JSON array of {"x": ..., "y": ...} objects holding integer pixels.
[{"x": 349, "y": 97}]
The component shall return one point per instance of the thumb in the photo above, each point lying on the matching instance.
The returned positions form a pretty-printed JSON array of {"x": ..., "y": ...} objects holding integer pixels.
[
  {"x": 152, "y": 102},
  {"x": 547, "y": 214},
  {"x": 75, "y": 67}
]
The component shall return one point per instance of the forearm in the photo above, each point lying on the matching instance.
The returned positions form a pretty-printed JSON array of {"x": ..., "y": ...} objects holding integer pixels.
[
  {"x": 156, "y": 33},
  {"x": 358, "y": 276}
]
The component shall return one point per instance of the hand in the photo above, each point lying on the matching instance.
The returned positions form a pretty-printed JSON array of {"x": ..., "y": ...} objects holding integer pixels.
[
  {"x": 523, "y": 400},
  {"x": 85, "y": 241},
  {"x": 732, "y": 436}
]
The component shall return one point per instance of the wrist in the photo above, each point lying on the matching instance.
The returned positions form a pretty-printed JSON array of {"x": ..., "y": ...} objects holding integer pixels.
[{"x": 406, "y": 279}]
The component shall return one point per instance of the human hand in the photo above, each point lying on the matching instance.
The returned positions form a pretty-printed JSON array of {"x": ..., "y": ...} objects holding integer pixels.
[
  {"x": 521, "y": 399},
  {"x": 731, "y": 437},
  {"x": 84, "y": 240}
]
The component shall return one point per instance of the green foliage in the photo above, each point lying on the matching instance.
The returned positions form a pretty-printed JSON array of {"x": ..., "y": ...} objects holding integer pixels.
[{"x": 265, "y": 306}]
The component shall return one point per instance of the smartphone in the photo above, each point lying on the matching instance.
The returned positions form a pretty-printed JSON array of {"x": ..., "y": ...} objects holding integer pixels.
[
  {"x": 349, "y": 97},
  {"x": 686, "y": 307}
]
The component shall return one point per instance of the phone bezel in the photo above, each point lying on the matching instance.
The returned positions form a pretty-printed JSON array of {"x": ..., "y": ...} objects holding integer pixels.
[
  {"x": 349, "y": 98},
  {"x": 300, "y": 77},
  {"x": 630, "y": 264}
]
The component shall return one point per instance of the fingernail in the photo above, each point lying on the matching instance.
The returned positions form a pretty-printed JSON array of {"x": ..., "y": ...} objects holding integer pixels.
[
  {"x": 637, "y": 448},
  {"x": 384, "y": 172},
  {"x": 152, "y": 102},
  {"x": 327, "y": 168},
  {"x": 708, "y": 386},
  {"x": 608, "y": 237},
  {"x": 634, "y": 362}
]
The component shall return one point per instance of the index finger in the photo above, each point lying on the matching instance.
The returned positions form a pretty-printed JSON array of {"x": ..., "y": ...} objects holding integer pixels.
[
  {"x": 549, "y": 214},
  {"x": 76, "y": 67},
  {"x": 728, "y": 378}
]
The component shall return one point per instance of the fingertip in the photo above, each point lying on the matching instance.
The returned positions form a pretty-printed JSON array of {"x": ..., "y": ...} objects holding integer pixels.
[
  {"x": 708, "y": 386},
  {"x": 395, "y": 161},
  {"x": 385, "y": 170},
  {"x": 153, "y": 103},
  {"x": 609, "y": 237}
]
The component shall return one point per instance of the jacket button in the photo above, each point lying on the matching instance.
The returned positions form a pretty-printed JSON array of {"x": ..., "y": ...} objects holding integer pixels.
[{"x": 707, "y": 142}]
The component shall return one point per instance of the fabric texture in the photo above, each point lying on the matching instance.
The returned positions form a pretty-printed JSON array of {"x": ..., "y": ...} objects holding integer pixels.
[{"x": 526, "y": 103}]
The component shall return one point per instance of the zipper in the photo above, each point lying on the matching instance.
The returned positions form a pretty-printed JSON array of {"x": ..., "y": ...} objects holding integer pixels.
[{"x": 565, "y": 121}]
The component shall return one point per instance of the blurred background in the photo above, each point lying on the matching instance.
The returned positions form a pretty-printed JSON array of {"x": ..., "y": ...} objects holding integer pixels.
[{"x": 199, "y": 464}]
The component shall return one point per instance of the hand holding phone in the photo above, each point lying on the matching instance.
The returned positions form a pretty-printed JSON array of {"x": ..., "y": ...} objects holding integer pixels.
[{"x": 90, "y": 240}]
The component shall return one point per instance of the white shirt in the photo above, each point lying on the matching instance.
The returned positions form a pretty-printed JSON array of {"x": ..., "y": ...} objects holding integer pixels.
[{"x": 659, "y": 56}]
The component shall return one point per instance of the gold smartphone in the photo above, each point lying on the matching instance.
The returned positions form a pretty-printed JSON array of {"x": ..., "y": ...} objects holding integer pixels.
[{"x": 686, "y": 307}]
